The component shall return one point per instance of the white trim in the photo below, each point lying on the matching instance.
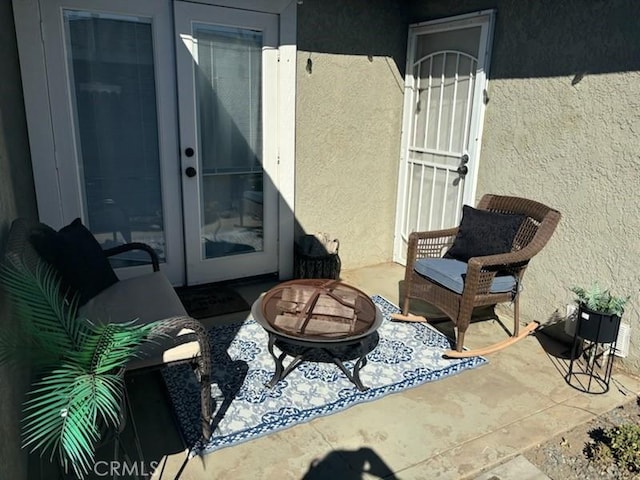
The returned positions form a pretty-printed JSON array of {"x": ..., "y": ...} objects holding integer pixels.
[
  {"x": 404, "y": 151},
  {"x": 36, "y": 99},
  {"x": 482, "y": 85},
  {"x": 477, "y": 117},
  {"x": 287, "y": 139},
  {"x": 452, "y": 23},
  {"x": 270, "y": 6}
]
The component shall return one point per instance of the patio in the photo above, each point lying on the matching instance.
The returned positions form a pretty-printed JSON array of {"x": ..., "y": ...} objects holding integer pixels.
[{"x": 449, "y": 429}]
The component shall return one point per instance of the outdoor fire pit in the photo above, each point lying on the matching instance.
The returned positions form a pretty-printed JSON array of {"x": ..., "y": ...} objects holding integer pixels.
[{"x": 318, "y": 320}]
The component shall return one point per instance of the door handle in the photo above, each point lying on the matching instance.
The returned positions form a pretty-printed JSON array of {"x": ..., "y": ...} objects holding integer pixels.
[
  {"x": 462, "y": 170},
  {"x": 190, "y": 172}
]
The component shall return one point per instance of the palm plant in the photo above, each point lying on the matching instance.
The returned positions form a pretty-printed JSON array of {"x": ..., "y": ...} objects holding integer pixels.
[{"x": 80, "y": 365}]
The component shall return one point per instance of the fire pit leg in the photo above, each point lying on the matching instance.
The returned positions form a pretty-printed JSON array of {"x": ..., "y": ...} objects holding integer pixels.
[
  {"x": 277, "y": 375},
  {"x": 281, "y": 372},
  {"x": 355, "y": 376}
]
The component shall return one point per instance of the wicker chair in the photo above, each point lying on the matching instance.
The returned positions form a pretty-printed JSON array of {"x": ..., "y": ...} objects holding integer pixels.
[
  {"x": 147, "y": 298},
  {"x": 535, "y": 231}
]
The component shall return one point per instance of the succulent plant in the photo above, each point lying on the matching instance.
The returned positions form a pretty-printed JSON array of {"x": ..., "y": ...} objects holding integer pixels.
[{"x": 600, "y": 300}]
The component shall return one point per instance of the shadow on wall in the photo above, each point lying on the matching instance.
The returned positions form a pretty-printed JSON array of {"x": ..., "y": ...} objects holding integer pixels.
[
  {"x": 549, "y": 38},
  {"x": 372, "y": 28},
  {"x": 532, "y": 39}
]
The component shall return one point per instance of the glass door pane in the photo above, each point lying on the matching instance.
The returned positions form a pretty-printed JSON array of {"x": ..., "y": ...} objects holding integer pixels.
[
  {"x": 227, "y": 97},
  {"x": 228, "y": 72},
  {"x": 112, "y": 75}
]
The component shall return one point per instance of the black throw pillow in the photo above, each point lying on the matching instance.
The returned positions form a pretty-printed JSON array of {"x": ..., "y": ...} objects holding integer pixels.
[
  {"x": 484, "y": 233},
  {"x": 77, "y": 256}
]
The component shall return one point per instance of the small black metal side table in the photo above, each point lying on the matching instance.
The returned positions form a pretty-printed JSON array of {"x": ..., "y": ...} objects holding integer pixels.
[{"x": 592, "y": 351}]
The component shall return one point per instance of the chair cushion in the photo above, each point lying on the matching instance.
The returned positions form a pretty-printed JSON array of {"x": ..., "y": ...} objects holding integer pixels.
[
  {"x": 77, "y": 256},
  {"x": 146, "y": 298},
  {"x": 451, "y": 274},
  {"x": 482, "y": 232}
]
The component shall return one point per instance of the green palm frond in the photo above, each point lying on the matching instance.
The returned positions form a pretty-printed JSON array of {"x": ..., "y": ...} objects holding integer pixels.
[
  {"x": 86, "y": 391},
  {"x": 47, "y": 318},
  {"x": 111, "y": 346},
  {"x": 69, "y": 404},
  {"x": 61, "y": 417},
  {"x": 83, "y": 390}
]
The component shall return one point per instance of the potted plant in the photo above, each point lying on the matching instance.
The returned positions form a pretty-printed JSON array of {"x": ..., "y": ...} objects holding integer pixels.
[
  {"x": 79, "y": 366},
  {"x": 599, "y": 313}
]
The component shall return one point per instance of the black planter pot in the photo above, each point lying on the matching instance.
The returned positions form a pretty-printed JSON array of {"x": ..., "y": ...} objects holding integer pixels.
[{"x": 597, "y": 327}]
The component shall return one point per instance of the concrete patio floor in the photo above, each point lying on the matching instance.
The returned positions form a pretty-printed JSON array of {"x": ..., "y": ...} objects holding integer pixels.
[{"x": 453, "y": 428}]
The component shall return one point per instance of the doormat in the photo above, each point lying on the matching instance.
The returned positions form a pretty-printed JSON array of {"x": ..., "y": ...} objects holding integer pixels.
[
  {"x": 407, "y": 355},
  {"x": 211, "y": 300}
]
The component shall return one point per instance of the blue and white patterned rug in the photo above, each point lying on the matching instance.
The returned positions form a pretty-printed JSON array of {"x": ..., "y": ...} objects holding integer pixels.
[{"x": 407, "y": 355}]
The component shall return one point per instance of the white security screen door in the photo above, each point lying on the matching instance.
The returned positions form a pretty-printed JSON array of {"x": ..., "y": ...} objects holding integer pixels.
[
  {"x": 445, "y": 84},
  {"x": 227, "y": 91}
]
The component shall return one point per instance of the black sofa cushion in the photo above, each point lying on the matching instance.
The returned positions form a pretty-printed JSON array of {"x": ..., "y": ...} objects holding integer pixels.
[{"x": 77, "y": 256}]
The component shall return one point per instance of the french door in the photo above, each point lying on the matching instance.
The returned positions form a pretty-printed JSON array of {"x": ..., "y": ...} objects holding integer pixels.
[
  {"x": 158, "y": 115},
  {"x": 227, "y": 84},
  {"x": 445, "y": 88}
]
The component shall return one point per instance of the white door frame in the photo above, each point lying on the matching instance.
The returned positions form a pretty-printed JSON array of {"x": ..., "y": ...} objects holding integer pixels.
[
  {"x": 46, "y": 158},
  {"x": 486, "y": 20}
]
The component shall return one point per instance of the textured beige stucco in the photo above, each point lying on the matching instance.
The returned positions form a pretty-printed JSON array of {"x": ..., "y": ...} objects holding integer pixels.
[
  {"x": 347, "y": 153},
  {"x": 16, "y": 199},
  {"x": 563, "y": 126},
  {"x": 348, "y": 121},
  {"x": 577, "y": 151}
]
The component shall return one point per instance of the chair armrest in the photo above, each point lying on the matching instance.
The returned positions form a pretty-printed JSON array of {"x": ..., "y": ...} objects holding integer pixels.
[
  {"x": 522, "y": 256},
  {"x": 429, "y": 244},
  {"x": 480, "y": 273},
  {"x": 155, "y": 262},
  {"x": 518, "y": 257},
  {"x": 512, "y": 258}
]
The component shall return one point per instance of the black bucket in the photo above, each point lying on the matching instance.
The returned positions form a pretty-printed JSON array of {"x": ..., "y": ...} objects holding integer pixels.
[
  {"x": 311, "y": 259},
  {"x": 597, "y": 327}
]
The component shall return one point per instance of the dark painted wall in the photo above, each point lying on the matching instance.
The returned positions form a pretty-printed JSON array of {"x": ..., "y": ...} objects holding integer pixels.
[
  {"x": 354, "y": 27},
  {"x": 17, "y": 198},
  {"x": 544, "y": 38}
]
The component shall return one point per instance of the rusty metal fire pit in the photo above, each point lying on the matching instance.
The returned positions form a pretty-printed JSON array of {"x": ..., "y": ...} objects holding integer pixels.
[{"x": 318, "y": 320}]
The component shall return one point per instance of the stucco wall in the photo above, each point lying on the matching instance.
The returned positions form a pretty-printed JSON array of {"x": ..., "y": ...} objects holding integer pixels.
[
  {"x": 348, "y": 120},
  {"x": 563, "y": 126},
  {"x": 17, "y": 198}
]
